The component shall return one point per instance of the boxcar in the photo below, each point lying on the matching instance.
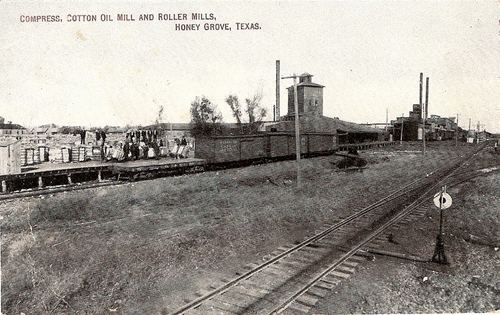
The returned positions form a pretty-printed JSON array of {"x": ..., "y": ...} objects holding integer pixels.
[
  {"x": 248, "y": 148},
  {"x": 321, "y": 143},
  {"x": 278, "y": 145},
  {"x": 231, "y": 148}
]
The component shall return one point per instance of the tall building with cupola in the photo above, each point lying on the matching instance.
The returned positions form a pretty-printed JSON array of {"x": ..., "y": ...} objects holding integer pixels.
[{"x": 309, "y": 96}]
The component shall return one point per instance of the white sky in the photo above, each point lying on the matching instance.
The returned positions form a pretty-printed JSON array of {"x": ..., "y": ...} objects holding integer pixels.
[{"x": 367, "y": 54}]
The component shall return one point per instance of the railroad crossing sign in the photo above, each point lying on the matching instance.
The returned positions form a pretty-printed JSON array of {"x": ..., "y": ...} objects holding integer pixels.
[{"x": 442, "y": 200}]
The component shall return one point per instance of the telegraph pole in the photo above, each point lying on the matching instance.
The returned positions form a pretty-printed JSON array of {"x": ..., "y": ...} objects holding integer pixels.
[
  {"x": 297, "y": 133},
  {"x": 277, "y": 108},
  {"x": 424, "y": 108},
  {"x": 468, "y": 132},
  {"x": 423, "y": 134},
  {"x": 456, "y": 134},
  {"x": 386, "y": 118},
  {"x": 402, "y": 124}
]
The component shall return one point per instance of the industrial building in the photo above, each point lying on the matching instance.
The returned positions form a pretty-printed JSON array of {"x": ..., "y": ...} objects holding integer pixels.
[
  {"x": 418, "y": 123},
  {"x": 311, "y": 118},
  {"x": 309, "y": 96}
]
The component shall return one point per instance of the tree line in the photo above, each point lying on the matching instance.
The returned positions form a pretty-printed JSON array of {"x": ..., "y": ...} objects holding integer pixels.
[{"x": 206, "y": 119}]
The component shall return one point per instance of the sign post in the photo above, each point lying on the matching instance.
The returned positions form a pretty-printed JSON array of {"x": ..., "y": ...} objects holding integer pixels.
[{"x": 442, "y": 200}]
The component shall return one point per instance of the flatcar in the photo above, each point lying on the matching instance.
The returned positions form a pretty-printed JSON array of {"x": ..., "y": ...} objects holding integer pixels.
[{"x": 262, "y": 147}]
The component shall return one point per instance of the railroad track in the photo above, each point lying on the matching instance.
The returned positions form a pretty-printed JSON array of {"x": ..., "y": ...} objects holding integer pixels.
[
  {"x": 58, "y": 189},
  {"x": 73, "y": 187},
  {"x": 294, "y": 277}
]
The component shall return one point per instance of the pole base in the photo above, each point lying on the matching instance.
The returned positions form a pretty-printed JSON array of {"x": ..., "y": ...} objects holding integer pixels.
[{"x": 439, "y": 255}]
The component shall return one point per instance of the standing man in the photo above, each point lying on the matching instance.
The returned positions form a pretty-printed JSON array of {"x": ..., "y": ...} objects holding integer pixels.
[{"x": 103, "y": 137}]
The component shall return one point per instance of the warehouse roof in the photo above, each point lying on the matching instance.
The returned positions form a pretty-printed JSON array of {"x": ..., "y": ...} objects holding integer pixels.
[
  {"x": 310, "y": 123},
  {"x": 11, "y": 126},
  {"x": 312, "y": 84}
]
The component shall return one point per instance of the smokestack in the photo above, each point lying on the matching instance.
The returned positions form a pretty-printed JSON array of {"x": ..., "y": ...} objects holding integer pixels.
[
  {"x": 421, "y": 85},
  {"x": 426, "y": 97},
  {"x": 277, "y": 110}
]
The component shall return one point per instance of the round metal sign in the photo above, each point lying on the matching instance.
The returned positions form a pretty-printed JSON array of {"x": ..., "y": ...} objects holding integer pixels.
[{"x": 445, "y": 200}]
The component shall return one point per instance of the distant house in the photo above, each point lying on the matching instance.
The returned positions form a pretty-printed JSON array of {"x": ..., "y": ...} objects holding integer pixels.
[
  {"x": 10, "y": 129},
  {"x": 114, "y": 129},
  {"x": 49, "y": 129}
]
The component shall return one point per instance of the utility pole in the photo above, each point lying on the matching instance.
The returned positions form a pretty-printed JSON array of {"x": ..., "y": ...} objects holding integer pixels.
[
  {"x": 277, "y": 108},
  {"x": 402, "y": 125},
  {"x": 423, "y": 135},
  {"x": 468, "y": 132},
  {"x": 297, "y": 133},
  {"x": 424, "y": 109},
  {"x": 386, "y": 118},
  {"x": 456, "y": 134}
]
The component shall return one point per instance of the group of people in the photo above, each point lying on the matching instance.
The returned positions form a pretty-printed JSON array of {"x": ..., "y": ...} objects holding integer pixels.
[
  {"x": 125, "y": 151},
  {"x": 143, "y": 144},
  {"x": 180, "y": 148},
  {"x": 86, "y": 136}
]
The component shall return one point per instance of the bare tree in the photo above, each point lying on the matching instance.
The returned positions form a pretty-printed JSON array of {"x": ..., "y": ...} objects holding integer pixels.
[
  {"x": 234, "y": 104},
  {"x": 159, "y": 118},
  {"x": 255, "y": 112}
]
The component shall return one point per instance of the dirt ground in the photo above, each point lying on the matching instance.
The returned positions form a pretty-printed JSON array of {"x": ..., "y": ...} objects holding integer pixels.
[
  {"x": 144, "y": 247},
  {"x": 469, "y": 283}
]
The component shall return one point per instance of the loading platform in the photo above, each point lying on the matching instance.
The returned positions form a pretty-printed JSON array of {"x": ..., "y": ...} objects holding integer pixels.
[{"x": 46, "y": 174}]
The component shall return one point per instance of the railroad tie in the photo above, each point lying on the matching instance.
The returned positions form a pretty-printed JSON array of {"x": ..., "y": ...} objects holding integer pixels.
[
  {"x": 285, "y": 247},
  {"x": 282, "y": 269},
  {"x": 326, "y": 285},
  {"x": 374, "y": 245},
  {"x": 339, "y": 274},
  {"x": 331, "y": 281},
  {"x": 303, "y": 260},
  {"x": 251, "y": 266},
  {"x": 247, "y": 294},
  {"x": 276, "y": 272},
  {"x": 315, "y": 249},
  {"x": 251, "y": 294},
  {"x": 357, "y": 257},
  {"x": 307, "y": 299},
  {"x": 229, "y": 301},
  {"x": 318, "y": 291},
  {"x": 379, "y": 242},
  {"x": 329, "y": 243},
  {"x": 254, "y": 287},
  {"x": 201, "y": 293},
  {"x": 346, "y": 269},
  {"x": 350, "y": 263},
  {"x": 296, "y": 306},
  {"x": 295, "y": 264},
  {"x": 207, "y": 311},
  {"x": 217, "y": 306}
]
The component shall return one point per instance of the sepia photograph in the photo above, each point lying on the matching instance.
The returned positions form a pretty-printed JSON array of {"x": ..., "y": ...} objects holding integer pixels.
[{"x": 249, "y": 157}]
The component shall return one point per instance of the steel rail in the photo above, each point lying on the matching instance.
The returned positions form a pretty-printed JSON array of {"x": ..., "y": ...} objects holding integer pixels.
[
  {"x": 368, "y": 238},
  {"x": 394, "y": 195},
  {"x": 58, "y": 189}
]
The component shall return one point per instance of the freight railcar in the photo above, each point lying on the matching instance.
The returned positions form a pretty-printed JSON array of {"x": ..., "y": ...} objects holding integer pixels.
[{"x": 262, "y": 147}]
